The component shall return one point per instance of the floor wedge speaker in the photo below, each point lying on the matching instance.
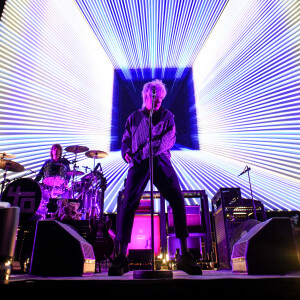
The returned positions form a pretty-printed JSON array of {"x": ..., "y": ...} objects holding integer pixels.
[
  {"x": 268, "y": 248},
  {"x": 60, "y": 251}
]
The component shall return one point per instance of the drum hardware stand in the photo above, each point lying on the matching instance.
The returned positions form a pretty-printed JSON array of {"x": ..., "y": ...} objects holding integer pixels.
[
  {"x": 97, "y": 188},
  {"x": 75, "y": 149},
  {"x": 246, "y": 170},
  {"x": 93, "y": 189},
  {"x": 103, "y": 242},
  {"x": 152, "y": 274},
  {"x": 86, "y": 168},
  {"x": 3, "y": 181},
  {"x": 102, "y": 185},
  {"x": 73, "y": 176}
]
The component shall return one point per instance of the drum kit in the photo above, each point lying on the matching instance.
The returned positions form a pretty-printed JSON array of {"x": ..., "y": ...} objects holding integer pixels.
[
  {"x": 34, "y": 198},
  {"x": 8, "y": 165}
]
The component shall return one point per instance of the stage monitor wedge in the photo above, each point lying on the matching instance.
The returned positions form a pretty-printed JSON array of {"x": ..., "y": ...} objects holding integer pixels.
[
  {"x": 60, "y": 251},
  {"x": 269, "y": 248}
]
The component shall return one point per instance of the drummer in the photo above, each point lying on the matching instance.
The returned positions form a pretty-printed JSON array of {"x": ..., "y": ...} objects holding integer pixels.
[{"x": 56, "y": 158}]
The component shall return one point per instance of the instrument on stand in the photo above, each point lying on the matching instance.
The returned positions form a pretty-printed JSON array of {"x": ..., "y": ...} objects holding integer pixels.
[
  {"x": 6, "y": 155},
  {"x": 99, "y": 237},
  {"x": 96, "y": 154},
  {"x": 26, "y": 194},
  {"x": 74, "y": 173},
  {"x": 22, "y": 192},
  {"x": 75, "y": 149},
  {"x": 89, "y": 186},
  {"x": 8, "y": 165},
  {"x": 54, "y": 180}
]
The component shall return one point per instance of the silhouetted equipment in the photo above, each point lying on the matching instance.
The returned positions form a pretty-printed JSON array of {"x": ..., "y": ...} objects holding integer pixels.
[
  {"x": 9, "y": 219},
  {"x": 24, "y": 193},
  {"x": 198, "y": 223},
  {"x": 60, "y": 251},
  {"x": 229, "y": 211},
  {"x": 268, "y": 248}
]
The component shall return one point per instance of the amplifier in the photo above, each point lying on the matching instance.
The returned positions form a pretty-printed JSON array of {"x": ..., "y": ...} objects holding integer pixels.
[
  {"x": 193, "y": 219},
  {"x": 229, "y": 212},
  {"x": 141, "y": 233}
]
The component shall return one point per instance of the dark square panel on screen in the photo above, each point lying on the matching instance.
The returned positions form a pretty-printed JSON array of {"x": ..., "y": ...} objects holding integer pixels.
[{"x": 127, "y": 97}]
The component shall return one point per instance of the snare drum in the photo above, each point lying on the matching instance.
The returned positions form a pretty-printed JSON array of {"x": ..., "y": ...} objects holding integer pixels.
[
  {"x": 54, "y": 174},
  {"x": 24, "y": 193}
]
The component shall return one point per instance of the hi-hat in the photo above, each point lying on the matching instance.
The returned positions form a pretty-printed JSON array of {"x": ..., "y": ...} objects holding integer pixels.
[
  {"x": 76, "y": 149},
  {"x": 6, "y": 155},
  {"x": 71, "y": 173},
  {"x": 96, "y": 154},
  {"x": 10, "y": 165}
]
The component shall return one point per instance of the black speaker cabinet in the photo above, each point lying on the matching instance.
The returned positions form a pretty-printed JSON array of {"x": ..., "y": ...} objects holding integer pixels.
[
  {"x": 229, "y": 212},
  {"x": 268, "y": 248},
  {"x": 224, "y": 225},
  {"x": 60, "y": 251}
]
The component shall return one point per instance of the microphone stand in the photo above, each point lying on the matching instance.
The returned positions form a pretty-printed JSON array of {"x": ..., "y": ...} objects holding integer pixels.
[
  {"x": 151, "y": 181},
  {"x": 246, "y": 170},
  {"x": 146, "y": 274}
]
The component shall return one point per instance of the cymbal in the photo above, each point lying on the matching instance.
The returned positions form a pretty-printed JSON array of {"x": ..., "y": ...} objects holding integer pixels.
[
  {"x": 6, "y": 155},
  {"x": 76, "y": 149},
  {"x": 70, "y": 173},
  {"x": 10, "y": 165},
  {"x": 96, "y": 154}
]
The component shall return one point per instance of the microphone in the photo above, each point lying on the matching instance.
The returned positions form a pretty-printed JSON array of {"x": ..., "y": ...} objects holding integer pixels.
[
  {"x": 153, "y": 92},
  {"x": 245, "y": 170},
  {"x": 153, "y": 98}
]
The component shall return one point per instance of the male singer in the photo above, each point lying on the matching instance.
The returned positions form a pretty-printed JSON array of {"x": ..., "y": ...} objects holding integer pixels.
[{"x": 135, "y": 151}]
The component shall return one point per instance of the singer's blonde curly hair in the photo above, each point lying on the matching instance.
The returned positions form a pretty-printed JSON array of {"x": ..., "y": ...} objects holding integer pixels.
[{"x": 159, "y": 87}]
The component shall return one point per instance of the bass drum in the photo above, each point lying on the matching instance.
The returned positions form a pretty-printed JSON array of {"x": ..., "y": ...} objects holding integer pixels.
[
  {"x": 24, "y": 193},
  {"x": 54, "y": 174}
]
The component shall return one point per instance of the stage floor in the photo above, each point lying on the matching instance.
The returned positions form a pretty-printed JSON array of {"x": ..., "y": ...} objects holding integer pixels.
[{"x": 214, "y": 284}]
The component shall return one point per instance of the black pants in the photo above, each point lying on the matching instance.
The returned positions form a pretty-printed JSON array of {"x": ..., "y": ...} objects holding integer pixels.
[{"x": 166, "y": 181}]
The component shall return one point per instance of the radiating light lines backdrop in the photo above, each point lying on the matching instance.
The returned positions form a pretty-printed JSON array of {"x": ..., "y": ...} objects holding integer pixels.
[
  {"x": 247, "y": 82},
  {"x": 152, "y": 33},
  {"x": 56, "y": 80}
]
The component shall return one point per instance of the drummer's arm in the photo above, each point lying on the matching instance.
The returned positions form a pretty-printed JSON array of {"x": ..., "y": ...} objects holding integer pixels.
[{"x": 40, "y": 175}]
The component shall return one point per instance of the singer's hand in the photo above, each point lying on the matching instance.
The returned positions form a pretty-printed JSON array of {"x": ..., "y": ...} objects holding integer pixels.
[{"x": 128, "y": 158}]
